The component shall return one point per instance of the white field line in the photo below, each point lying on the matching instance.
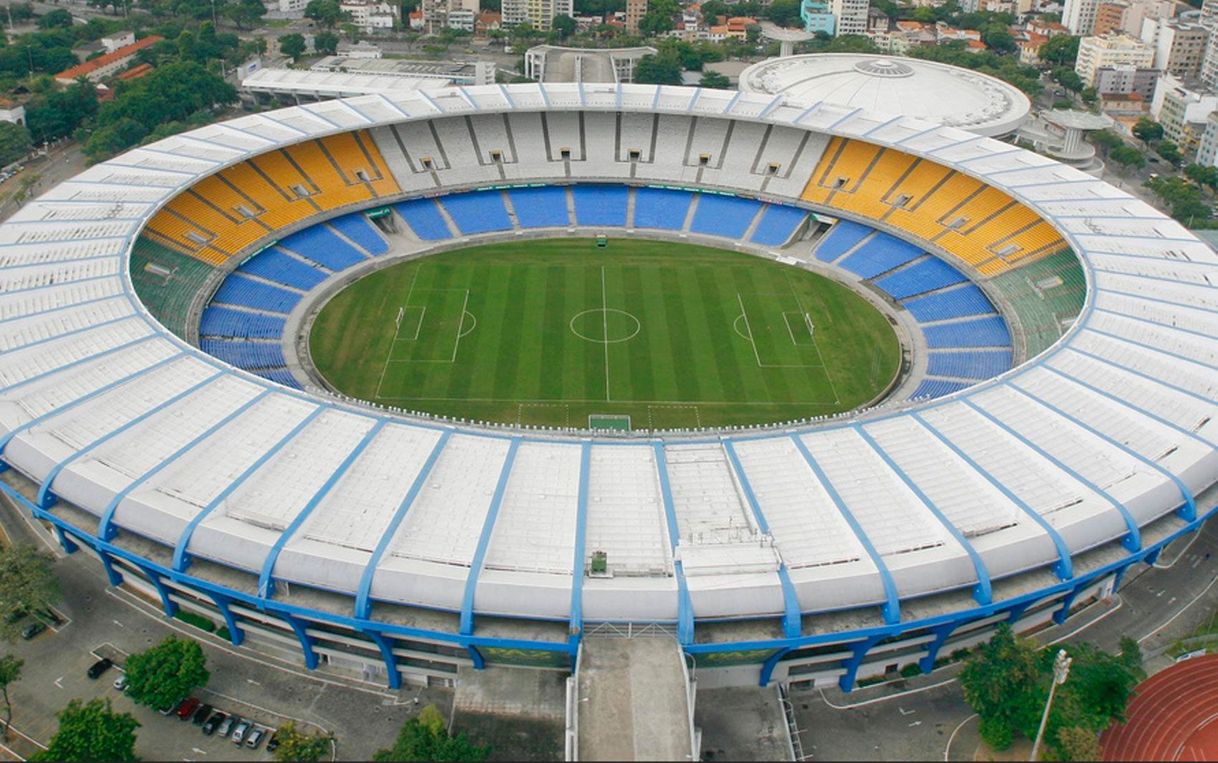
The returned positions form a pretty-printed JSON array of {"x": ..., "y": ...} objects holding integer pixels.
[{"x": 605, "y": 330}]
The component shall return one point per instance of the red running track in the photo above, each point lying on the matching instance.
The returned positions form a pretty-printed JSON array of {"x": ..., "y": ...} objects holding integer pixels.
[{"x": 1173, "y": 716}]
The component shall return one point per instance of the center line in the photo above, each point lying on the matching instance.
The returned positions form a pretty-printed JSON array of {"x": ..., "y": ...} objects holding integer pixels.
[{"x": 605, "y": 329}]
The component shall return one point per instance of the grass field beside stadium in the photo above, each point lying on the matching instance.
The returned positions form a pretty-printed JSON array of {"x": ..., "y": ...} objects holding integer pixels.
[{"x": 558, "y": 332}]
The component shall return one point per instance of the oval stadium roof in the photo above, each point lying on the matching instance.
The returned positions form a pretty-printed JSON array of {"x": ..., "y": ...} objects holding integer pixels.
[{"x": 941, "y": 93}]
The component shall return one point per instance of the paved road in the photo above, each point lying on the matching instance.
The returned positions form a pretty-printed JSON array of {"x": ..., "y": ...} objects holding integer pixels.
[
  {"x": 61, "y": 163},
  {"x": 364, "y": 718}
]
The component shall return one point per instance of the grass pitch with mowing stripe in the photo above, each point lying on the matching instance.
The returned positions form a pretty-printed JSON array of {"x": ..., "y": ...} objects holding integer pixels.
[{"x": 551, "y": 332}]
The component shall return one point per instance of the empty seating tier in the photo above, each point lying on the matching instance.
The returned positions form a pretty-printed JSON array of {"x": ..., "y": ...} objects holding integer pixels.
[
  {"x": 727, "y": 216},
  {"x": 777, "y": 224},
  {"x": 223, "y": 321},
  {"x": 661, "y": 208},
  {"x": 540, "y": 207},
  {"x": 225, "y": 214},
  {"x": 950, "y": 303},
  {"x": 237, "y": 290},
  {"x": 975, "y": 332},
  {"x": 982, "y": 226},
  {"x": 167, "y": 282},
  {"x": 477, "y": 212},
  {"x": 841, "y": 238},
  {"x": 275, "y": 265},
  {"x": 600, "y": 205},
  {"x": 423, "y": 217},
  {"x": 321, "y": 245},
  {"x": 879, "y": 255},
  {"x": 924, "y": 276},
  {"x": 362, "y": 231}
]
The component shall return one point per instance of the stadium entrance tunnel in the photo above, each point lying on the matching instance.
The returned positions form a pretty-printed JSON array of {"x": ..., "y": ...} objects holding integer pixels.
[{"x": 559, "y": 332}]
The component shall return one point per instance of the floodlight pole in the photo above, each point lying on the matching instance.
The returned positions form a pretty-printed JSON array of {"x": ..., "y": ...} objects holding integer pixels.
[{"x": 1061, "y": 670}]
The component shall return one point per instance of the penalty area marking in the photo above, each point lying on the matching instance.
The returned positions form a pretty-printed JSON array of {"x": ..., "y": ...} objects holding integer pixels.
[{"x": 747, "y": 335}]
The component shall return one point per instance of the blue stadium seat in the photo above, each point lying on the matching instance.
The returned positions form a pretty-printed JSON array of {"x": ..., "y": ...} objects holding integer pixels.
[
  {"x": 922, "y": 276},
  {"x": 951, "y": 303},
  {"x": 222, "y": 321},
  {"x": 242, "y": 291},
  {"x": 969, "y": 365},
  {"x": 727, "y": 216},
  {"x": 938, "y": 387},
  {"x": 280, "y": 375},
  {"x": 540, "y": 207},
  {"x": 978, "y": 332},
  {"x": 362, "y": 231},
  {"x": 880, "y": 254},
  {"x": 600, "y": 204},
  {"x": 840, "y": 238},
  {"x": 274, "y": 265},
  {"x": 661, "y": 208},
  {"x": 245, "y": 355},
  {"x": 424, "y": 219},
  {"x": 477, "y": 212},
  {"x": 323, "y": 247},
  {"x": 777, "y": 224}
]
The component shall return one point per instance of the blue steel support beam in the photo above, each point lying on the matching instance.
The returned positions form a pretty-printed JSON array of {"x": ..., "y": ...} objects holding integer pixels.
[
  {"x": 168, "y": 605},
  {"x": 46, "y": 498},
  {"x": 1063, "y": 612},
  {"x": 391, "y": 663},
  {"x": 792, "y": 619},
  {"x": 105, "y": 526},
  {"x": 181, "y": 556},
  {"x": 685, "y": 607},
  {"x": 307, "y": 646},
  {"x": 892, "y": 604},
  {"x": 983, "y": 592},
  {"x": 58, "y": 410},
  {"x": 363, "y": 597},
  {"x": 1186, "y": 495},
  {"x": 112, "y": 575},
  {"x": 858, "y": 652},
  {"x": 942, "y": 633},
  {"x": 1064, "y": 568},
  {"x": 484, "y": 541},
  {"x": 66, "y": 543},
  {"x": 236, "y": 634},
  {"x": 266, "y": 578},
  {"x": 576, "y": 625},
  {"x": 1133, "y": 536}
]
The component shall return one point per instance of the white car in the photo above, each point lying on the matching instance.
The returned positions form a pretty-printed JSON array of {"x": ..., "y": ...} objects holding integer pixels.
[{"x": 120, "y": 683}]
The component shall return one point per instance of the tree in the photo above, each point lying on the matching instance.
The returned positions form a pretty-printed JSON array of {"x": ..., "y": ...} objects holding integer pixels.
[
  {"x": 91, "y": 731},
  {"x": 27, "y": 584},
  {"x": 327, "y": 13},
  {"x": 292, "y": 45},
  {"x": 999, "y": 681},
  {"x": 14, "y": 142},
  {"x": 784, "y": 12},
  {"x": 56, "y": 19},
  {"x": 1127, "y": 157},
  {"x": 162, "y": 676},
  {"x": 425, "y": 738},
  {"x": 661, "y": 69},
  {"x": 1106, "y": 140},
  {"x": 1202, "y": 175},
  {"x": 1078, "y": 744},
  {"x": 563, "y": 25},
  {"x": 1061, "y": 50},
  {"x": 295, "y": 745},
  {"x": 715, "y": 80},
  {"x": 998, "y": 39},
  {"x": 1147, "y": 129},
  {"x": 658, "y": 18},
  {"x": 10, "y": 673},
  {"x": 245, "y": 13},
  {"x": 1069, "y": 79},
  {"x": 1169, "y": 151},
  {"x": 325, "y": 42}
]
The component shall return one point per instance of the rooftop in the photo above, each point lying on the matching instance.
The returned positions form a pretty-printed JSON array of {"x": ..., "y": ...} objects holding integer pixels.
[
  {"x": 948, "y": 95},
  {"x": 88, "y": 67}
]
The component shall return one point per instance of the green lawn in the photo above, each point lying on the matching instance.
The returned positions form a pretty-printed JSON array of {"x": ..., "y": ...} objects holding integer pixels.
[{"x": 515, "y": 332}]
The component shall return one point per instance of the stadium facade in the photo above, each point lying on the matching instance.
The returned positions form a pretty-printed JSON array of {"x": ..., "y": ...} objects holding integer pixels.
[{"x": 403, "y": 548}]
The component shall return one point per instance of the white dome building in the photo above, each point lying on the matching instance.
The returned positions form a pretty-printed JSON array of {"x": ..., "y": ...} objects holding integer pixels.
[{"x": 948, "y": 95}]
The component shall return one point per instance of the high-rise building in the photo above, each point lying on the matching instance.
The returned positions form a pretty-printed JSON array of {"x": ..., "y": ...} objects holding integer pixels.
[
  {"x": 1079, "y": 16},
  {"x": 849, "y": 16},
  {"x": 1183, "y": 111},
  {"x": 635, "y": 11},
  {"x": 1110, "y": 50},
  {"x": 1179, "y": 46}
]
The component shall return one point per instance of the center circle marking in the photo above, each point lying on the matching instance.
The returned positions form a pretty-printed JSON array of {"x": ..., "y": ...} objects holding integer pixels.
[{"x": 603, "y": 314}]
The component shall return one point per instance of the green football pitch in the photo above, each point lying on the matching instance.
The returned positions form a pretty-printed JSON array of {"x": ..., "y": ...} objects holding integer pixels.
[{"x": 640, "y": 335}]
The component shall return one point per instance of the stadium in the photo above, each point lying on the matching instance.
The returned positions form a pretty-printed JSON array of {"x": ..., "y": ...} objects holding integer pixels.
[{"x": 1024, "y": 410}]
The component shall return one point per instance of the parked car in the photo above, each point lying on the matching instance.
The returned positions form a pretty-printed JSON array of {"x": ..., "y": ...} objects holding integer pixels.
[
  {"x": 186, "y": 708},
  {"x": 239, "y": 732},
  {"x": 32, "y": 630},
  {"x": 14, "y": 616},
  {"x": 254, "y": 739},
  {"x": 202, "y": 714},
  {"x": 272, "y": 744},
  {"x": 120, "y": 683},
  {"x": 99, "y": 667},
  {"x": 227, "y": 724},
  {"x": 210, "y": 725}
]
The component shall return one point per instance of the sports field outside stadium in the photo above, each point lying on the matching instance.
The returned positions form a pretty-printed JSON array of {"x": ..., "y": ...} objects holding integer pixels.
[{"x": 640, "y": 334}]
